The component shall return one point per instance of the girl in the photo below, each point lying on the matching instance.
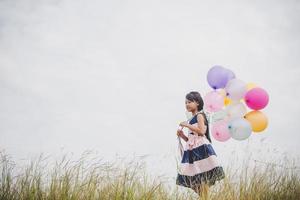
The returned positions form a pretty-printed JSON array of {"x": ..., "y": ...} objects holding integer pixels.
[{"x": 199, "y": 168}]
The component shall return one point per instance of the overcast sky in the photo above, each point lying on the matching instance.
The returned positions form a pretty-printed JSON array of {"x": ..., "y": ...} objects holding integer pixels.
[{"x": 112, "y": 76}]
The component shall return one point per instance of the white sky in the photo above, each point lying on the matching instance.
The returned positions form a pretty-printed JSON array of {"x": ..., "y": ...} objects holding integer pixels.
[{"x": 111, "y": 76}]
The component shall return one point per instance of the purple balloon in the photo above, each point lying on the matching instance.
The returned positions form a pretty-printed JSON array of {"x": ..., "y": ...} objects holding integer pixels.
[{"x": 218, "y": 76}]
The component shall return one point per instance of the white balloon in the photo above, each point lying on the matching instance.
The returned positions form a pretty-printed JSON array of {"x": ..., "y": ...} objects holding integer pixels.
[
  {"x": 219, "y": 115},
  {"x": 239, "y": 128},
  {"x": 236, "y": 89},
  {"x": 236, "y": 110}
]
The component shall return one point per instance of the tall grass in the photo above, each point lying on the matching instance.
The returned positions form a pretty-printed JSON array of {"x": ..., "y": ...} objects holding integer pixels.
[{"x": 127, "y": 179}]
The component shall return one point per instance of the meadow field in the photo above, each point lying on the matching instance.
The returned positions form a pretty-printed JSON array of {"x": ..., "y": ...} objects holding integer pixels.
[{"x": 89, "y": 179}]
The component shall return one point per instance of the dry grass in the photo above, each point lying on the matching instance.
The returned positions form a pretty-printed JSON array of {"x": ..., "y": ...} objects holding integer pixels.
[{"x": 96, "y": 179}]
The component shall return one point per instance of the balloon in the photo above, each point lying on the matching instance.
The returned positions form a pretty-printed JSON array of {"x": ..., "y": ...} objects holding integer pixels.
[
  {"x": 220, "y": 131},
  {"x": 230, "y": 75},
  {"x": 227, "y": 101},
  {"x": 257, "y": 98},
  {"x": 258, "y": 120},
  {"x": 251, "y": 86},
  {"x": 236, "y": 89},
  {"x": 218, "y": 76},
  {"x": 222, "y": 92},
  {"x": 236, "y": 110},
  {"x": 239, "y": 128},
  {"x": 219, "y": 115},
  {"x": 213, "y": 101}
]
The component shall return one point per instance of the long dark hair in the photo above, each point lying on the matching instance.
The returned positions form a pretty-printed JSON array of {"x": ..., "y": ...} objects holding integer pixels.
[{"x": 196, "y": 97}]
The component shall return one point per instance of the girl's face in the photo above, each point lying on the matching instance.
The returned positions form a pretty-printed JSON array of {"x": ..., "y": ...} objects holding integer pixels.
[{"x": 191, "y": 105}]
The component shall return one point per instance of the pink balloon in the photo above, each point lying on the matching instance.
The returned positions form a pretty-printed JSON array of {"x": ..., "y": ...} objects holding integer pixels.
[
  {"x": 213, "y": 101},
  {"x": 220, "y": 131},
  {"x": 257, "y": 98}
]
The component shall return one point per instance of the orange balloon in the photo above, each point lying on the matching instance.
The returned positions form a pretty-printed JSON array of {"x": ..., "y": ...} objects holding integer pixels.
[{"x": 257, "y": 119}]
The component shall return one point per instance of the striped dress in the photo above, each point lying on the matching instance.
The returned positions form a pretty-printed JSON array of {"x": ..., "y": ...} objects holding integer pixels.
[{"x": 199, "y": 162}]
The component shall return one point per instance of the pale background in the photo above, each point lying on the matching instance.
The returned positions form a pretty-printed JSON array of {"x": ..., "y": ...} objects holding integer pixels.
[{"x": 111, "y": 76}]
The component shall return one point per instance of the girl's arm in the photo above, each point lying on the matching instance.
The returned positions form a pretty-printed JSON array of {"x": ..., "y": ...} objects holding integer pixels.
[{"x": 200, "y": 129}]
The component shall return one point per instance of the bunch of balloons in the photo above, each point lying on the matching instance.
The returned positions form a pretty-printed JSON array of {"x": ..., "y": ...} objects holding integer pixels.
[{"x": 227, "y": 102}]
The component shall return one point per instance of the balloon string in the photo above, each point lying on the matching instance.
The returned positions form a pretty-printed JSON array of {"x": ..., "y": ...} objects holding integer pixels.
[{"x": 180, "y": 146}]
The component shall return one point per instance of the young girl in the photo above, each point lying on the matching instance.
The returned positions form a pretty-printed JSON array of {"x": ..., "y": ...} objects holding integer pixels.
[{"x": 199, "y": 168}]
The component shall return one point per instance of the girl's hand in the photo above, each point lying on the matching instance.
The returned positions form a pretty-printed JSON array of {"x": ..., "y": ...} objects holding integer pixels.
[
  {"x": 184, "y": 124},
  {"x": 180, "y": 133}
]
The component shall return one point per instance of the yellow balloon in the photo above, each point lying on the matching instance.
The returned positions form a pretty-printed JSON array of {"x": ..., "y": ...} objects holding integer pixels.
[
  {"x": 251, "y": 86},
  {"x": 227, "y": 101},
  {"x": 222, "y": 92},
  {"x": 257, "y": 119}
]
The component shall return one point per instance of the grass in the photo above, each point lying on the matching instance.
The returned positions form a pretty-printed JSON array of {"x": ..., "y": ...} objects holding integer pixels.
[{"x": 87, "y": 178}]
